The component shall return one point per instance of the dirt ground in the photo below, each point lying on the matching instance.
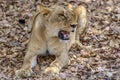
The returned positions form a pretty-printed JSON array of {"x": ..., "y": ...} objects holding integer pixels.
[{"x": 103, "y": 34}]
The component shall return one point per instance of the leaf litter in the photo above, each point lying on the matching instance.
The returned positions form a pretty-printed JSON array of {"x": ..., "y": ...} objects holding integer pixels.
[{"x": 102, "y": 37}]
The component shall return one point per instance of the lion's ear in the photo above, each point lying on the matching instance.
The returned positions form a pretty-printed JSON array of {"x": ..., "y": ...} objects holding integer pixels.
[
  {"x": 40, "y": 8},
  {"x": 45, "y": 11},
  {"x": 70, "y": 6}
]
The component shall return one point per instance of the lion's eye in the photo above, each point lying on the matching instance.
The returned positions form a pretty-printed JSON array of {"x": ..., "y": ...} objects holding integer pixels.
[{"x": 62, "y": 16}]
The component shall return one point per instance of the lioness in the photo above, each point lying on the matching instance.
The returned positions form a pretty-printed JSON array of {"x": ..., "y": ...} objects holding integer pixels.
[{"x": 54, "y": 30}]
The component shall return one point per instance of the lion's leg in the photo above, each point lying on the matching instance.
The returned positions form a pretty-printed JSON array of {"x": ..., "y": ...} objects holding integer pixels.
[
  {"x": 33, "y": 50},
  {"x": 29, "y": 63},
  {"x": 59, "y": 62},
  {"x": 82, "y": 21}
]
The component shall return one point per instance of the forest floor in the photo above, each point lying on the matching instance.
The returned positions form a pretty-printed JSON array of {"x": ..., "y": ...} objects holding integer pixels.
[{"x": 103, "y": 34}]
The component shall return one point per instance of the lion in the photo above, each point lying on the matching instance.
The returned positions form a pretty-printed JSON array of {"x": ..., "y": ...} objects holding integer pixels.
[{"x": 54, "y": 29}]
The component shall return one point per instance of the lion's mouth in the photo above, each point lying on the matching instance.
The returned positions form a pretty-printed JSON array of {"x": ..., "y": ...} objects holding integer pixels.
[{"x": 64, "y": 35}]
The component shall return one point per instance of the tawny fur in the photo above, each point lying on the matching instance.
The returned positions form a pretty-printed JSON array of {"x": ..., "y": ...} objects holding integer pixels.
[{"x": 44, "y": 36}]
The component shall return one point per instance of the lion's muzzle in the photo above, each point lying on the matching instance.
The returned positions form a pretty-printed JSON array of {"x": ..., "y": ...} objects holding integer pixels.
[{"x": 64, "y": 35}]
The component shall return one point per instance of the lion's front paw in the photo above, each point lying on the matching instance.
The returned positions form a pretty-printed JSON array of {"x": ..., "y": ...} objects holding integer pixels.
[
  {"x": 24, "y": 72},
  {"x": 53, "y": 70}
]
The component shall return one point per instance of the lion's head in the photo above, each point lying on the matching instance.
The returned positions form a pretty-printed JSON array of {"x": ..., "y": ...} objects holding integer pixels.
[{"x": 60, "y": 20}]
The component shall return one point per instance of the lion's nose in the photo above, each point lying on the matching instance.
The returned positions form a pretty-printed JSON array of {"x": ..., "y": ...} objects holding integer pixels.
[
  {"x": 73, "y": 25},
  {"x": 64, "y": 35}
]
